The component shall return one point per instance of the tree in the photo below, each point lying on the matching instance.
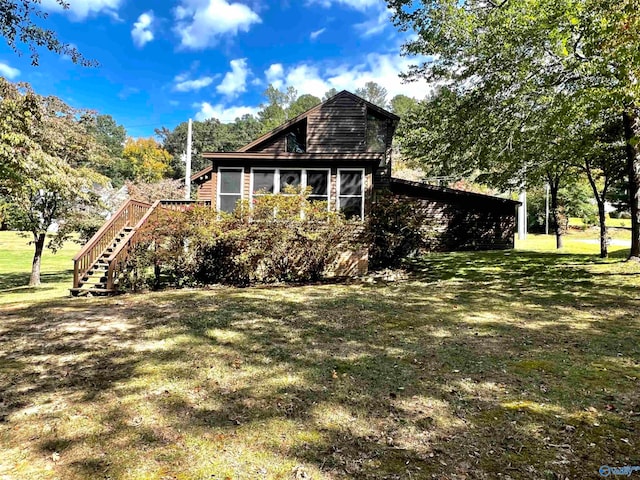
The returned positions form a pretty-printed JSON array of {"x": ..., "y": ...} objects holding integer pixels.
[
  {"x": 42, "y": 172},
  {"x": 401, "y": 105},
  {"x": 374, "y": 93},
  {"x": 332, "y": 92},
  {"x": 108, "y": 133},
  {"x": 244, "y": 130},
  {"x": 19, "y": 25},
  {"x": 111, "y": 137},
  {"x": 506, "y": 55},
  {"x": 147, "y": 160},
  {"x": 208, "y": 136},
  {"x": 604, "y": 165},
  {"x": 302, "y": 104}
]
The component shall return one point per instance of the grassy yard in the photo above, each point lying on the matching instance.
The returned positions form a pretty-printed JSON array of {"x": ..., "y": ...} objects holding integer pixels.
[
  {"x": 521, "y": 364},
  {"x": 16, "y": 255},
  {"x": 610, "y": 222}
]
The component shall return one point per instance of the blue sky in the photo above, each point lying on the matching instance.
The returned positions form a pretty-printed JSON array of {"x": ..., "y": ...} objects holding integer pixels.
[{"x": 163, "y": 62}]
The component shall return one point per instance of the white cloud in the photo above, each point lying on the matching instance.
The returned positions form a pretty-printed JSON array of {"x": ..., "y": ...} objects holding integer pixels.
[
  {"x": 141, "y": 32},
  {"x": 375, "y": 25},
  {"x": 317, "y": 33},
  {"x": 383, "y": 69},
  {"x": 79, "y": 10},
  {"x": 184, "y": 85},
  {"x": 235, "y": 81},
  {"x": 222, "y": 113},
  {"x": 200, "y": 23},
  {"x": 8, "y": 71},
  {"x": 355, "y": 4},
  {"x": 275, "y": 75}
]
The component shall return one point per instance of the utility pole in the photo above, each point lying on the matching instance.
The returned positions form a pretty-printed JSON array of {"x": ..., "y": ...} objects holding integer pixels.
[
  {"x": 187, "y": 175},
  {"x": 546, "y": 209},
  {"x": 522, "y": 215}
]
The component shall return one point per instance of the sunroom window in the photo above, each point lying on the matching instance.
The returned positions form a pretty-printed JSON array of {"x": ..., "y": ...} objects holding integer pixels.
[
  {"x": 276, "y": 180},
  {"x": 229, "y": 188},
  {"x": 351, "y": 192}
]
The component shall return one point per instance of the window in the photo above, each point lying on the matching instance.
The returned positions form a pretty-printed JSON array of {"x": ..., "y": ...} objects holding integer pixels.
[
  {"x": 376, "y": 133},
  {"x": 297, "y": 138},
  {"x": 263, "y": 182},
  {"x": 275, "y": 180},
  {"x": 229, "y": 188},
  {"x": 318, "y": 180},
  {"x": 351, "y": 192}
]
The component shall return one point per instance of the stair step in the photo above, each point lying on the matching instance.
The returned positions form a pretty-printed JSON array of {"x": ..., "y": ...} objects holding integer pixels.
[
  {"x": 99, "y": 285},
  {"x": 77, "y": 292}
]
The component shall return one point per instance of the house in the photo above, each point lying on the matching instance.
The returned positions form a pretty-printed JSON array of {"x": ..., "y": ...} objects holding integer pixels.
[{"x": 340, "y": 148}]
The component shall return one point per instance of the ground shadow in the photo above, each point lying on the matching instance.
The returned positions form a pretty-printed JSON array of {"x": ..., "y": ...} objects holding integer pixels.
[{"x": 478, "y": 364}]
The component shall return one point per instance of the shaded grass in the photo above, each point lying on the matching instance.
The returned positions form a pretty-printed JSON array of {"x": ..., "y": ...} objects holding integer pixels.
[{"x": 520, "y": 363}]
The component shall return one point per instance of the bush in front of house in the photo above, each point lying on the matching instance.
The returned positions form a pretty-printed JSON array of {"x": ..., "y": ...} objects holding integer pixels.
[
  {"x": 278, "y": 238},
  {"x": 398, "y": 227}
]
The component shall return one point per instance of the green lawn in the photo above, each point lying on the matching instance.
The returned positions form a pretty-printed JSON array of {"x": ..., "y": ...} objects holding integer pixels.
[
  {"x": 16, "y": 255},
  {"x": 519, "y": 364},
  {"x": 610, "y": 222}
]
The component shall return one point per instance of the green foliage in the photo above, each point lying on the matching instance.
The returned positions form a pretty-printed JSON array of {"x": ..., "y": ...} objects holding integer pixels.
[
  {"x": 208, "y": 136},
  {"x": 575, "y": 199},
  {"x": 302, "y": 104},
  {"x": 524, "y": 82},
  {"x": 278, "y": 238},
  {"x": 332, "y": 92},
  {"x": 45, "y": 155},
  {"x": 111, "y": 137},
  {"x": 11, "y": 216},
  {"x": 395, "y": 227},
  {"x": 19, "y": 25}
]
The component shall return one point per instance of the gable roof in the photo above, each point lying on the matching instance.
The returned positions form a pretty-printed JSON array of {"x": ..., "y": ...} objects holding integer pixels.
[
  {"x": 303, "y": 116},
  {"x": 199, "y": 175}
]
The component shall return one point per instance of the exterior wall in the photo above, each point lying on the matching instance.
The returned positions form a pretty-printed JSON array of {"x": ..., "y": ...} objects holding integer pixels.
[
  {"x": 272, "y": 145},
  {"x": 205, "y": 190},
  {"x": 338, "y": 126},
  {"x": 464, "y": 225}
]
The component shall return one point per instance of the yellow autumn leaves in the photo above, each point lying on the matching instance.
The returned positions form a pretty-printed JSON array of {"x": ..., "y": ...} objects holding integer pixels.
[{"x": 148, "y": 161}]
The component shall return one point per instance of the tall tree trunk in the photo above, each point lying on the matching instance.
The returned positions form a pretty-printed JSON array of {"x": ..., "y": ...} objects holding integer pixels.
[
  {"x": 602, "y": 214},
  {"x": 632, "y": 135},
  {"x": 555, "y": 213},
  {"x": 37, "y": 259},
  {"x": 604, "y": 235}
]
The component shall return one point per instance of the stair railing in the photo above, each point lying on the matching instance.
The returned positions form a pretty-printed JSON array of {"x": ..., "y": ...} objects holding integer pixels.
[
  {"x": 121, "y": 253},
  {"x": 127, "y": 216}
]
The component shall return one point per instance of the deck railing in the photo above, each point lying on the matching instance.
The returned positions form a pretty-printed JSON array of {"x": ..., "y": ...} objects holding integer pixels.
[
  {"x": 183, "y": 205},
  {"x": 127, "y": 216}
]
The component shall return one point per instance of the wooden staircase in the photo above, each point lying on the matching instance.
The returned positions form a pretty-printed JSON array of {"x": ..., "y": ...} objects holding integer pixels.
[
  {"x": 95, "y": 280},
  {"x": 97, "y": 266}
]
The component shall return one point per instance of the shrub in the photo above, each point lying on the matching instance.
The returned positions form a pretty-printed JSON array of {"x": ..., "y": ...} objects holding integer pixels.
[
  {"x": 278, "y": 238},
  {"x": 396, "y": 228}
]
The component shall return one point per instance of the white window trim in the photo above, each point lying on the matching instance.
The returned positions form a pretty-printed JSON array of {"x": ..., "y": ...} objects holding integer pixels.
[
  {"x": 219, "y": 183},
  {"x": 363, "y": 188},
  {"x": 303, "y": 180}
]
